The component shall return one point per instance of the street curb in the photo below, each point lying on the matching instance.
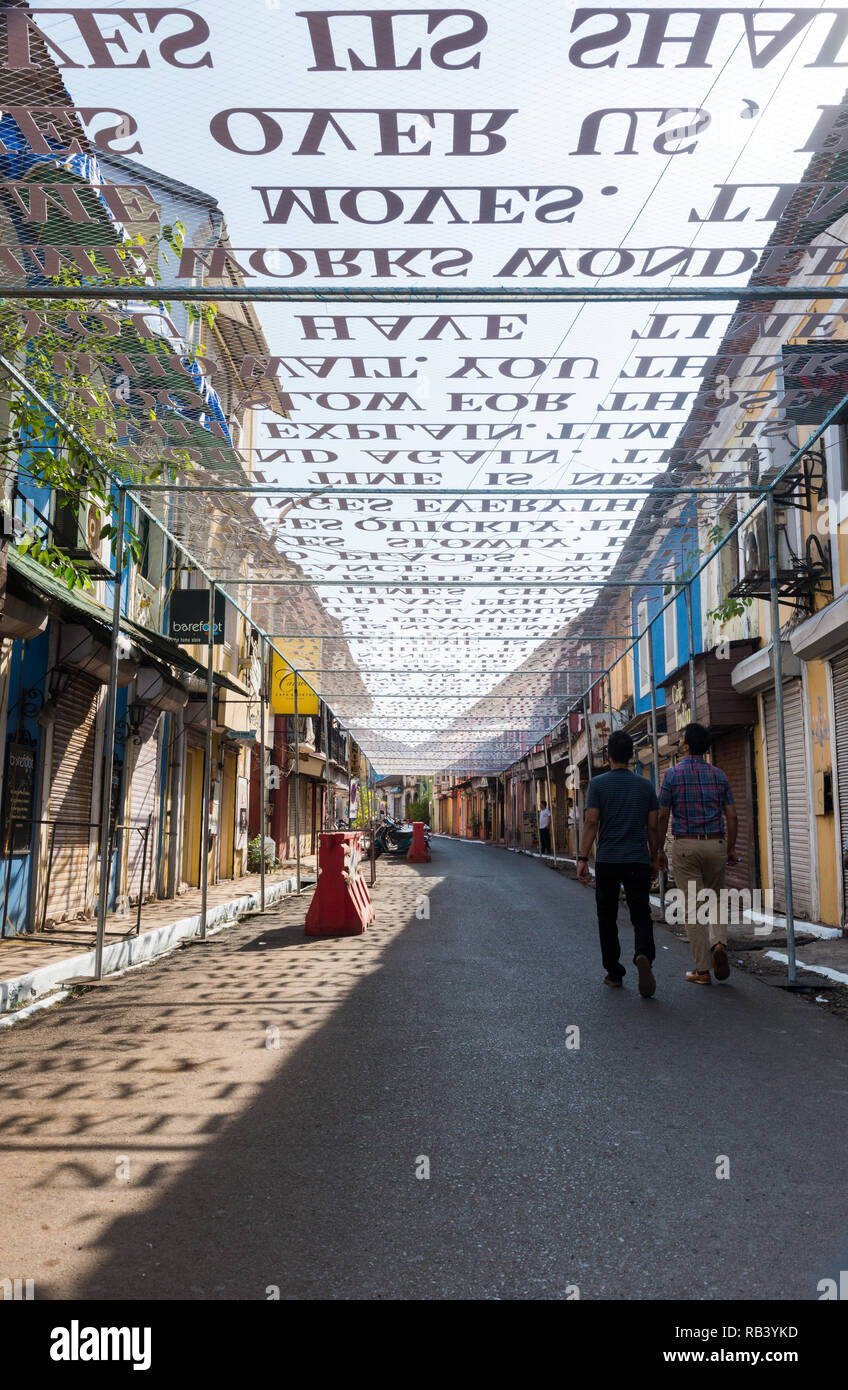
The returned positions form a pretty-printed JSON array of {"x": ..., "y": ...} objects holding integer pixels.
[
  {"x": 826, "y": 971},
  {"x": 135, "y": 950}
]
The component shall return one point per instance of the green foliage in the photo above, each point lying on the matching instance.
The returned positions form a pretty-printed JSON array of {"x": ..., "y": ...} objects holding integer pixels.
[
  {"x": 418, "y": 810},
  {"x": 66, "y": 350},
  {"x": 730, "y": 608},
  {"x": 254, "y": 854}
]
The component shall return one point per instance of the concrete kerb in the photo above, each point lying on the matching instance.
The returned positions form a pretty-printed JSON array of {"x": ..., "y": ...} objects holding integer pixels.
[
  {"x": 826, "y": 972},
  {"x": 135, "y": 950}
]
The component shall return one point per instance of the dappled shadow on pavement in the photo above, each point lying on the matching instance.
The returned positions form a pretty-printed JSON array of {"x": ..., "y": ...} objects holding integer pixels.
[{"x": 278, "y": 1107}]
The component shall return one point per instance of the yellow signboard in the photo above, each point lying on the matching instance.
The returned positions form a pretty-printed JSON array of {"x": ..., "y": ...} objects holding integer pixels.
[{"x": 305, "y": 654}]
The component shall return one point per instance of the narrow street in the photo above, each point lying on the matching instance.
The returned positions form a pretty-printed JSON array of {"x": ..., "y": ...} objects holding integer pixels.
[{"x": 249, "y": 1114}]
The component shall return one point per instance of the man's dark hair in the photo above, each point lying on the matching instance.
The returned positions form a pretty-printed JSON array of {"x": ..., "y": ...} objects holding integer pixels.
[
  {"x": 620, "y": 747},
  {"x": 697, "y": 738}
]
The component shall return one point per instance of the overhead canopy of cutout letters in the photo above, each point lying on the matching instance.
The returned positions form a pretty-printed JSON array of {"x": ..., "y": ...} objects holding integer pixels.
[{"x": 406, "y": 316}]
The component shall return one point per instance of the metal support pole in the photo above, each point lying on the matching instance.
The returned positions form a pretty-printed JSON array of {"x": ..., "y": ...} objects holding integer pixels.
[
  {"x": 296, "y": 786},
  {"x": 571, "y": 790},
  {"x": 111, "y": 707},
  {"x": 372, "y": 787},
  {"x": 207, "y": 763},
  {"x": 609, "y": 698},
  {"x": 263, "y": 783},
  {"x": 655, "y": 747},
  {"x": 777, "y": 671},
  {"x": 327, "y": 824},
  {"x": 690, "y": 638},
  {"x": 522, "y": 806},
  {"x": 588, "y": 727},
  {"x": 550, "y": 801},
  {"x": 147, "y": 830}
]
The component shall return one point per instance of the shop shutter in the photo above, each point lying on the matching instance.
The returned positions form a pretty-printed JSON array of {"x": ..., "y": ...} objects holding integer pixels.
[
  {"x": 840, "y": 726},
  {"x": 143, "y": 803},
  {"x": 730, "y": 753},
  {"x": 799, "y": 809},
  {"x": 72, "y": 871}
]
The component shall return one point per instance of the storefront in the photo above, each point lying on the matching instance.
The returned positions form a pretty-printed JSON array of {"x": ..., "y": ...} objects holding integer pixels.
[
  {"x": 753, "y": 677},
  {"x": 74, "y": 769},
  {"x": 839, "y": 676},
  {"x": 821, "y": 645},
  {"x": 729, "y": 716}
]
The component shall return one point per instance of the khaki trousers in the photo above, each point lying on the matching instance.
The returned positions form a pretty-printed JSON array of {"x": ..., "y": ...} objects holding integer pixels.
[{"x": 701, "y": 864}]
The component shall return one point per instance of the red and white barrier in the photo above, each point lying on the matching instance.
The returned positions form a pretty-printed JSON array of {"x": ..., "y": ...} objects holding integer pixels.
[
  {"x": 341, "y": 904},
  {"x": 418, "y": 853}
]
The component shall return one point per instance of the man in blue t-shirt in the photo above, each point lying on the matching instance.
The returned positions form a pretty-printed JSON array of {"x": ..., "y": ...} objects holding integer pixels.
[{"x": 621, "y": 812}]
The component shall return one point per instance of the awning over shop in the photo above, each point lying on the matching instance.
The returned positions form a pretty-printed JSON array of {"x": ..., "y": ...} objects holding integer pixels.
[
  {"x": 755, "y": 672},
  {"x": 81, "y": 648},
  {"x": 157, "y": 689},
  {"x": 20, "y": 619},
  {"x": 824, "y": 633},
  {"x": 57, "y": 600}
]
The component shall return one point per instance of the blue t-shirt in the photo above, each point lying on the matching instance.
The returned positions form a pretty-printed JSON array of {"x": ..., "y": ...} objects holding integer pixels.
[{"x": 625, "y": 802}]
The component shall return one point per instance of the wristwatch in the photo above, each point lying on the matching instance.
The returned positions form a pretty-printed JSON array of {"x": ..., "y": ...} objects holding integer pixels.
[{"x": 582, "y": 859}]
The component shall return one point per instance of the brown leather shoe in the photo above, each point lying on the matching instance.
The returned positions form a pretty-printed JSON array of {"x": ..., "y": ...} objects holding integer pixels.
[
  {"x": 721, "y": 965},
  {"x": 698, "y": 977}
]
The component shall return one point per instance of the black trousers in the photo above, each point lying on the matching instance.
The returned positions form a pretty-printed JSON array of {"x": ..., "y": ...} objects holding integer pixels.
[
  {"x": 636, "y": 881},
  {"x": 545, "y": 840}
]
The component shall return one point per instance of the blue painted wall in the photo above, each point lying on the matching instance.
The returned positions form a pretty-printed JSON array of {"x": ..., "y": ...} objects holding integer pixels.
[{"x": 28, "y": 665}]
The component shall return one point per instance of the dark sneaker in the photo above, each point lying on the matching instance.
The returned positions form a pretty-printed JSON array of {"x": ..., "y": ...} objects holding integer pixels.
[
  {"x": 614, "y": 981},
  {"x": 647, "y": 983},
  {"x": 721, "y": 965}
]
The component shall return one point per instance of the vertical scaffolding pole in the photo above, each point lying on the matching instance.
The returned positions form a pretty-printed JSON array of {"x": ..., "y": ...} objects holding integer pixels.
[
  {"x": 327, "y": 825},
  {"x": 372, "y": 787},
  {"x": 572, "y": 790},
  {"x": 550, "y": 801},
  {"x": 521, "y": 805},
  {"x": 504, "y": 814},
  {"x": 263, "y": 785},
  {"x": 690, "y": 638},
  {"x": 588, "y": 727},
  {"x": 609, "y": 698},
  {"x": 111, "y": 709},
  {"x": 296, "y": 785},
  {"x": 655, "y": 746},
  {"x": 777, "y": 671},
  {"x": 207, "y": 764}
]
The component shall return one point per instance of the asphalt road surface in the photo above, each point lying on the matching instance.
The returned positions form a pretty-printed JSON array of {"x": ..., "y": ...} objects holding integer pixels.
[{"x": 257, "y": 1114}]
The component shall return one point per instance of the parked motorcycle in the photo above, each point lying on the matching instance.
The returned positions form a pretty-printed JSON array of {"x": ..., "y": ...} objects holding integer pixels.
[
  {"x": 395, "y": 837},
  {"x": 392, "y": 838}
]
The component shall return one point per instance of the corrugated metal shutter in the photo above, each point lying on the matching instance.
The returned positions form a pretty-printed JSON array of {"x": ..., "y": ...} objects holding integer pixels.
[
  {"x": 72, "y": 887},
  {"x": 143, "y": 802},
  {"x": 799, "y": 809},
  {"x": 839, "y": 667},
  {"x": 730, "y": 753}
]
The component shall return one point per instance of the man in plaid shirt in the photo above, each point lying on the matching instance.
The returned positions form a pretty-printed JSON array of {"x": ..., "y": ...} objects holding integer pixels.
[{"x": 699, "y": 799}]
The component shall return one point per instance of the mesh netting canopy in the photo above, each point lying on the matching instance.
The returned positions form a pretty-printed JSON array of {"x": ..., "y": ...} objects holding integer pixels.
[{"x": 436, "y": 338}]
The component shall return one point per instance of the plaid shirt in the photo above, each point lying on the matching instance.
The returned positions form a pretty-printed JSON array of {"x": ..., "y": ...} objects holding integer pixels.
[{"x": 697, "y": 793}]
